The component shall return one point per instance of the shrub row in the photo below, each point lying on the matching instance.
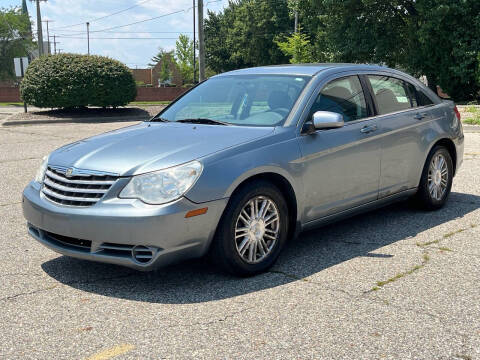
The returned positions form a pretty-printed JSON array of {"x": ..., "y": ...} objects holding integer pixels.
[{"x": 71, "y": 80}]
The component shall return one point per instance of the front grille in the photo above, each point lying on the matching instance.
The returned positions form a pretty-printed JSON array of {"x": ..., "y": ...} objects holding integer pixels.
[
  {"x": 69, "y": 241},
  {"x": 82, "y": 188}
]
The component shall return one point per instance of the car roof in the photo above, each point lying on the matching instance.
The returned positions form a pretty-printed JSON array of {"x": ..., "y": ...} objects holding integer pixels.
[{"x": 300, "y": 69}]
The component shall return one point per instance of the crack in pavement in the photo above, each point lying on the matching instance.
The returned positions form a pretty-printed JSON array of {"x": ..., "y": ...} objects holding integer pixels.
[
  {"x": 10, "y": 204},
  {"x": 16, "y": 160},
  {"x": 36, "y": 134},
  {"x": 373, "y": 298},
  {"x": 10, "y": 297},
  {"x": 19, "y": 274}
]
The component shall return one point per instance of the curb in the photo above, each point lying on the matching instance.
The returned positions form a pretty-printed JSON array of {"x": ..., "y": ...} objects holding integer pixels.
[
  {"x": 89, "y": 120},
  {"x": 471, "y": 128}
]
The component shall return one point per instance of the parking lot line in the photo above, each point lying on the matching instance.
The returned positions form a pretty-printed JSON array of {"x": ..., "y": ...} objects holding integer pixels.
[{"x": 112, "y": 352}]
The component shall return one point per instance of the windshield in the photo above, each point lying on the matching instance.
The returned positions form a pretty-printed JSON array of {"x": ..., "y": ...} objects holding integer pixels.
[{"x": 250, "y": 100}]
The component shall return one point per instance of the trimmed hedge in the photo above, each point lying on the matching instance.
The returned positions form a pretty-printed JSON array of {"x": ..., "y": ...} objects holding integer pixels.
[{"x": 71, "y": 80}]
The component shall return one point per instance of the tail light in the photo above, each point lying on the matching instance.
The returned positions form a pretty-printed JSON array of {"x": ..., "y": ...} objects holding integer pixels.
[{"x": 457, "y": 113}]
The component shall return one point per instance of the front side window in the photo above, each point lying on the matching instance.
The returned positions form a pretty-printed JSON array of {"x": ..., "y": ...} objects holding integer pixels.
[
  {"x": 344, "y": 96},
  {"x": 250, "y": 100},
  {"x": 392, "y": 94}
]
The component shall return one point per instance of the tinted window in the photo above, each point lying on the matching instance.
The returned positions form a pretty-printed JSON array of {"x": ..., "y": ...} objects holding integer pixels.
[
  {"x": 423, "y": 100},
  {"x": 344, "y": 96},
  {"x": 250, "y": 100},
  {"x": 392, "y": 94}
]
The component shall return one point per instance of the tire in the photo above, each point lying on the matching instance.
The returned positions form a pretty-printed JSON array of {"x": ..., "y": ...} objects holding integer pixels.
[
  {"x": 427, "y": 197},
  {"x": 226, "y": 251}
]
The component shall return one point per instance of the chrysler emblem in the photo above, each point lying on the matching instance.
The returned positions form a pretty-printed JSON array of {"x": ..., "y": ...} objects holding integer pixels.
[{"x": 69, "y": 172}]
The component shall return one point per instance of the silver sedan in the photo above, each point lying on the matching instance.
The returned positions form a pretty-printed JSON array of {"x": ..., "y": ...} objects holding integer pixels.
[{"x": 245, "y": 161}]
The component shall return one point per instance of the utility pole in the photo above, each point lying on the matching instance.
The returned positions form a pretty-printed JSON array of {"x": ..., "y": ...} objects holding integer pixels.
[
  {"x": 39, "y": 30},
  {"x": 88, "y": 37},
  {"x": 55, "y": 45},
  {"x": 48, "y": 36},
  {"x": 194, "y": 46},
  {"x": 60, "y": 50},
  {"x": 201, "y": 41},
  {"x": 296, "y": 21}
]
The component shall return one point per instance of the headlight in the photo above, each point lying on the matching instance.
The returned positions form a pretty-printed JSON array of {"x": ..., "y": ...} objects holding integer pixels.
[
  {"x": 163, "y": 186},
  {"x": 41, "y": 170}
]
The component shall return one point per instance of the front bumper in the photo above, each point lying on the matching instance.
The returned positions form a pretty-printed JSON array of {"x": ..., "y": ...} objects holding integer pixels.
[{"x": 116, "y": 230}]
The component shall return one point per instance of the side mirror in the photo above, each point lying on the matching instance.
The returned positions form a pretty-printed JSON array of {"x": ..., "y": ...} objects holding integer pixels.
[{"x": 327, "y": 120}]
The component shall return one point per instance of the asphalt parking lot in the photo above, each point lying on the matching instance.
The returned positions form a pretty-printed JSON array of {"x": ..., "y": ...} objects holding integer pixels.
[{"x": 396, "y": 283}]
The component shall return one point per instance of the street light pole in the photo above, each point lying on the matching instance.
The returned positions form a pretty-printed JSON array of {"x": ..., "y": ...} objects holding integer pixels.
[
  {"x": 194, "y": 46},
  {"x": 201, "y": 42},
  {"x": 88, "y": 37}
]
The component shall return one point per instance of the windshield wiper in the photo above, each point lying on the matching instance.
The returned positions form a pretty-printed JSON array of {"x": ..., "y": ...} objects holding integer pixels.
[
  {"x": 204, "y": 121},
  {"x": 154, "y": 119}
]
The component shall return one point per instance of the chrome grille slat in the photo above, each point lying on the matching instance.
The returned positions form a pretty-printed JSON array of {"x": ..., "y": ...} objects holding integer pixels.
[
  {"x": 82, "y": 182},
  {"x": 83, "y": 188},
  {"x": 73, "y": 198},
  {"x": 79, "y": 190}
]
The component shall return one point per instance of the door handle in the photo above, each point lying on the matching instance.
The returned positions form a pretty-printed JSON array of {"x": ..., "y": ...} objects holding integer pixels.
[
  {"x": 368, "y": 129},
  {"x": 419, "y": 116}
]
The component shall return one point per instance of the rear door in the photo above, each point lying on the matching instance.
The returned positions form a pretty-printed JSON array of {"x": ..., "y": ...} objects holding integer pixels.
[
  {"x": 403, "y": 116},
  {"x": 341, "y": 166}
]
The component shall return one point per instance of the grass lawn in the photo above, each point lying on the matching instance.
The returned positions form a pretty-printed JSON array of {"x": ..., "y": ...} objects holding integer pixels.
[
  {"x": 11, "y": 103},
  {"x": 473, "y": 115},
  {"x": 149, "y": 103}
]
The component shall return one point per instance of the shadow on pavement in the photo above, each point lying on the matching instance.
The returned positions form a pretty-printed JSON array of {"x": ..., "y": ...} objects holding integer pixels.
[
  {"x": 84, "y": 115},
  {"x": 197, "y": 281}
]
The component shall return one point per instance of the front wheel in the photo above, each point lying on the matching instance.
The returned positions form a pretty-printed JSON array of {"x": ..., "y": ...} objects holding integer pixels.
[
  {"x": 252, "y": 230},
  {"x": 436, "y": 181}
]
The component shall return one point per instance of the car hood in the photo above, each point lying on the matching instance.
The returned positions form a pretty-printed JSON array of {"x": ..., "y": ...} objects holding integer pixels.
[{"x": 148, "y": 146}]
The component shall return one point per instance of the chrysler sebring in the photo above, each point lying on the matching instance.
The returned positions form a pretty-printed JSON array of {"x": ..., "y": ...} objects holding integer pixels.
[{"x": 244, "y": 161}]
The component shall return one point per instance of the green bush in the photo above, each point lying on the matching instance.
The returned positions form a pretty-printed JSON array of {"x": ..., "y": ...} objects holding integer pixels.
[{"x": 71, "y": 80}]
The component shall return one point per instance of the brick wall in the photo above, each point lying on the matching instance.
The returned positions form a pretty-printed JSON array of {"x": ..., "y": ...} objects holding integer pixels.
[
  {"x": 12, "y": 94},
  {"x": 159, "y": 94},
  {"x": 9, "y": 94},
  {"x": 143, "y": 75}
]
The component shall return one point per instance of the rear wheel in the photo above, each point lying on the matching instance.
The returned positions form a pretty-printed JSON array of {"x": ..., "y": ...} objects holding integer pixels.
[
  {"x": 252, "y": 230},
  {"x": 436, "y": 181}
]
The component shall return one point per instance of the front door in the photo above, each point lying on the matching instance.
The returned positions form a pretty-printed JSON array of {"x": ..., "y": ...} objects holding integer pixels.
[{"x": 341, "y": 166}]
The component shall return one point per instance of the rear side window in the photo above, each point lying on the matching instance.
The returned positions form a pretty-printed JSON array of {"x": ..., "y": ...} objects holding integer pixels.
[
  {"x": 423, "y": 99},
  {"x": 392, "y": 94},
  {"x": 344, "y": 96}
]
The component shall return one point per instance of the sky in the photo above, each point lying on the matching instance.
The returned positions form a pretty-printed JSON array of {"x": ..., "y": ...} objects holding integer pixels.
[{"x": 68, "y": 18}]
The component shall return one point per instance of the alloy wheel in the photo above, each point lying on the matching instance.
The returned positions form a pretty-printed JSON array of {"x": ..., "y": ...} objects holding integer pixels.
[
  {"x": 437, "y": 177},
  {"x": 256, "y": 229}
]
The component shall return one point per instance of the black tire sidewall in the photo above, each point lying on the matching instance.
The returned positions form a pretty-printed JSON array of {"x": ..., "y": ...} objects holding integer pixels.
[{"x": 225, "y": 252}]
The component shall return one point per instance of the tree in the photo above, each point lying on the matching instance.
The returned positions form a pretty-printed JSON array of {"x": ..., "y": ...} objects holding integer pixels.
[
  {"x": 436, "y": 38},
  {"x": 15, "y": 39},
  {"x": 158, "y": 57},
  {"x": 165, "y": 74},
  {"x": 243, "y": 34},
  {"x": 184, "y": 57},
  {"x": 297, "y": 47}
]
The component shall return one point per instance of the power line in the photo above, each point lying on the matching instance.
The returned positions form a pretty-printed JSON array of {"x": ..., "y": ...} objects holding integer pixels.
[
  {"x": 120, "y": 11},
  {"x": 118, "y": 38},
  {"x": 139, "y": 22},
  {"x": 105, "y": 16},
  {"x": 79, "y": 32}
]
